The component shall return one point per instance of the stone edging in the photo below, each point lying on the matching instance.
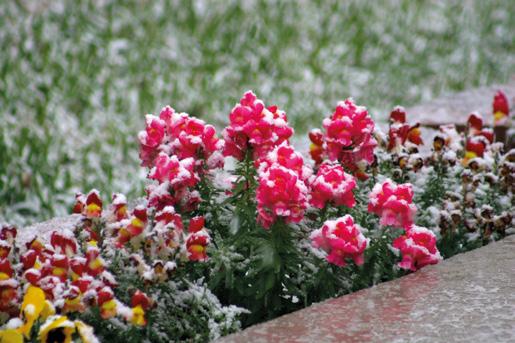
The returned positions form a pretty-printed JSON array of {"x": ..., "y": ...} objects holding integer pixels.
[{"x": 467, "y": 298}]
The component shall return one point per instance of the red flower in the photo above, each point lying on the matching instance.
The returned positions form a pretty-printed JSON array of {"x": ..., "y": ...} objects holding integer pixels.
[
  {"x": 286, "y": 156},
  {"x": 28, "y": 259},
  {"x": 78, "y": 265},
  {"x": 63, "y": 242},
  {"x": 398, "y": 115},
  {"x": 475, "y": 147},
  {"x": 252, "y": 125},
  {"x": 399, "y": 132},
  {"x": 341, "y": 239},
  {"x": 93, "y": 207},
  {"x": 394, "y": 203},
  {"x": 414, "y": 135},
  {"x": 168, "y": 215},
  {"x": 140, "y": 299},
  {"x": 170, "y": 169},
  {"x": 196, "y": 224},
  {"x": 348, "y": 137},
  {"x": 316, "y": 148},
  {"x": 95, "y": 263},
  {"x": 154, "y": 131},
  {"x": 8, "y": 233},
  {"x": 80, "y": 203},
  {"x": 474, "y": 123},
  {"x": 418, "y": 248},
  {"x": 488, "y": 134},
  {"x": 59, "y": 265},
  {"x": 106, "y": 302},
  {"x": 501, "y": 108},
  {"x": 33, "y": 276},
  {"x": 6, "y": 271},
  {"x": 332, "y": 184},
  {"x": 119, "y": 204},
  {"x": 5, "y": 249},
  {"x": 196, "y": 245},
  {"x": 9, "y": 297},
  {"x": 280, "y": 193}
]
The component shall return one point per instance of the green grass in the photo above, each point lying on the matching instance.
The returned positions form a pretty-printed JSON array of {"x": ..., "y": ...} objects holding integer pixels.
[{"x": 76, "y": 78}]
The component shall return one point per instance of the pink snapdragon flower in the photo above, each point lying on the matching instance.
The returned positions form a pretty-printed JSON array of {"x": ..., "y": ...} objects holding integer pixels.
[
  {"x": 280, "y": 193},
  {"x": 286, "y": 156},
  {"x": 332, "y": 185},
  {"x": 418, "y": 248},
  {"x": 347, "y": 138},
  {"x": 180, "y": 134},
  {"x": 341, "y": 239},
  {"x": 252, "y": 125},
  {"x": 178, "y": 173},
  {"x": 394, "y": 203},
  {"x": 150, "y": 139}
]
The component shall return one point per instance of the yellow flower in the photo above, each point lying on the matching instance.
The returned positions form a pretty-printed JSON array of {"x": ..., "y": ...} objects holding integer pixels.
[
  {"x": 10, "y": 336},
  {"x": 85, "y": 332},
  {"x": 56, "y": 329},
  {"x": 108, "y": 309},
  {"x": 48, "y": 310},
  {"x": 138, "y": 316},
  {"x": 33, "y": 304}
]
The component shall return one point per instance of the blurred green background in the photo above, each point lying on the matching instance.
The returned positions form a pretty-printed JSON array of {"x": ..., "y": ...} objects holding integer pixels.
[{"x": 78, "y": 76}]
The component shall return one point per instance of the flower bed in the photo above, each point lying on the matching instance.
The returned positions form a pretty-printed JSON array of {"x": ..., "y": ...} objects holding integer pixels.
[{"x": 239, "y": 229}]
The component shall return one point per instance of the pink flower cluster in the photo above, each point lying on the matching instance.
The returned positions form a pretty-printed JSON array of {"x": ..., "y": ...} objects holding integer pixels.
[
  {"x": 179, "y": 134},
  {"x": 253, "y": 126},
  {"x": 418, "y": 248},
  {"x": 394, "y": 203},
  {"x": 348, "y": 138},
  {"x": 281, "y": 191},
  {"x": 341, "y": 239},
  {"x": 332, "y": 185},
  {"x": 179, "y": 149}
]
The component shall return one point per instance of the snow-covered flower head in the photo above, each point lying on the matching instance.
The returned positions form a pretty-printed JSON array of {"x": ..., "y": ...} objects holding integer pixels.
[
  {"x": 332, "y": 185},
  {"x": 286, "y": 156},
  {"x": 182, "y": 135},
  {"x": 500, "y": 108},
  {"x": 401, "y": 132},
  {"x": 197, "y": 240},
  {"x": 341, "y": 239},
  {"x": 280, "y": 193},
  {"x": 474, "y": 148},
  {"x": 394, "y": 203},
  {"x": 417, "y": 247},
  {"x": 252, "y": 125},
  {"x": 348, "y": 138}
]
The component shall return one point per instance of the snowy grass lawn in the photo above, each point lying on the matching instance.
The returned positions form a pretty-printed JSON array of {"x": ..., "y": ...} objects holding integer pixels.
[{"x": 76, "y": 78}]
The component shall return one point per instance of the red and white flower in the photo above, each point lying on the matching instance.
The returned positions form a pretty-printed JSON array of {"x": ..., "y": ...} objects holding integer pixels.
[
  {"x": 341, "y": 239},
  {"x": 500, "y": 108},
  {"x": 252, "y": 125},
  {"x": 400, "y": 132},
  {"x": 280, "y": 193},
  {"x": 394, "y": 203},
  {"x": 348, "y": 138},
  {"x": 332, "y": 185},
  {"x": 197, "y": 240},
  {"x": 417, "y": 248}
]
